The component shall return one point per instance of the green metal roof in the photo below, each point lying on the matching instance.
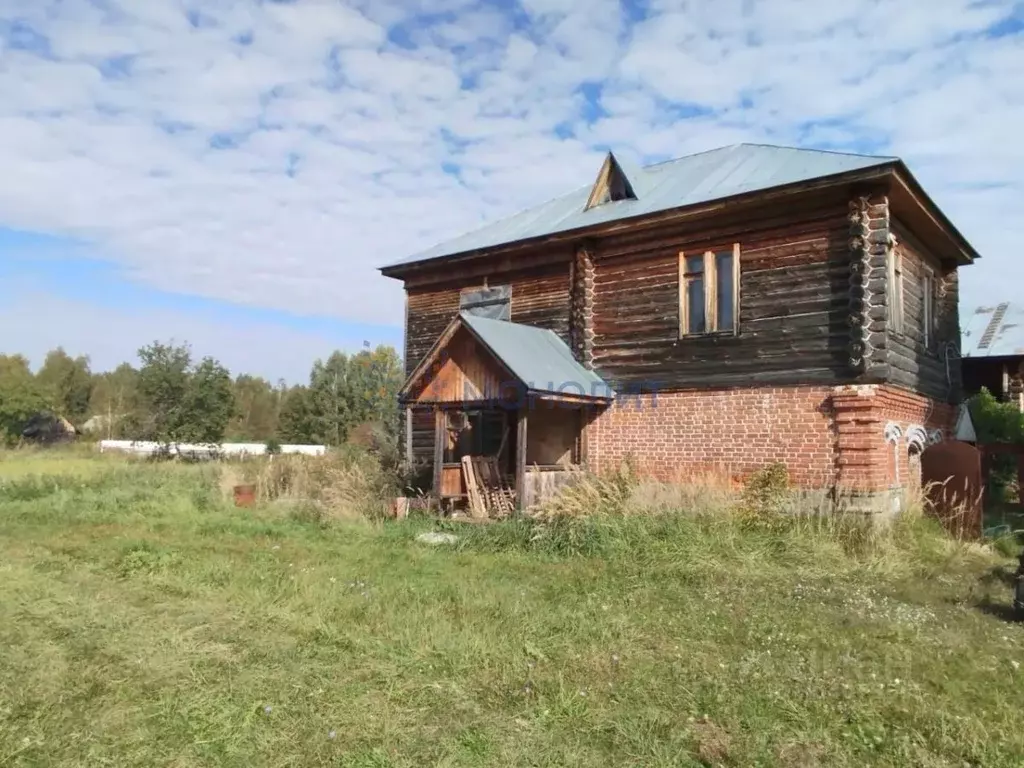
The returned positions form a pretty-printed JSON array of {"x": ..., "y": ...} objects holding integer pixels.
[
  {"x": 537, "y": 357},
  {"x": 691, "y": 180}
]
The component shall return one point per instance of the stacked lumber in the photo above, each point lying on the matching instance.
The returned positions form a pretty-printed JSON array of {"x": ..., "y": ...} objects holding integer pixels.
[{"x": 488, "y": 493}]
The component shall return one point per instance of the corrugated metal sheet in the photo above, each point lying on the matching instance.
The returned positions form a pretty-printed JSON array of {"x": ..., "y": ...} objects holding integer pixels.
[
  {"x": 993, "y": 330},
  {"x": 691, "y": 180},
  {"x": 537, "y": 357}
]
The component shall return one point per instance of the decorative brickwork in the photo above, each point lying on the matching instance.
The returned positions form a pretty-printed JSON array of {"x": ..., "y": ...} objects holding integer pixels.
[
  {"x": 828, "y": 437},
  {"x": 911, "y": 410},
  {"x": 582, "y": 309}
]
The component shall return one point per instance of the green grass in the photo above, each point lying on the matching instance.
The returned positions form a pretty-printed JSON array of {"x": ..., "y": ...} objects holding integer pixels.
[{"x": 145, "y": 622}]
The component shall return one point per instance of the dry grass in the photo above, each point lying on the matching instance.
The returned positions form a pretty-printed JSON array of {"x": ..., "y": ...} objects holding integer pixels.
[{"x": 343, "y": 485}]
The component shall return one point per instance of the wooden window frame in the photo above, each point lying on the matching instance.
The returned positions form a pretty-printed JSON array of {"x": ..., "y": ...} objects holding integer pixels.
[
  {"x": 710, "y": 277},
  {"x": 505, "y": 301},
  {"x": 896, "y": 303}
]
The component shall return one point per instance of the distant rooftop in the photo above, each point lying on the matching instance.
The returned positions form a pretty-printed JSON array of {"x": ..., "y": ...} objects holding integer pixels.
[
  {"x": 691, "y": 180},
  {"x": 993, "y": 330}
]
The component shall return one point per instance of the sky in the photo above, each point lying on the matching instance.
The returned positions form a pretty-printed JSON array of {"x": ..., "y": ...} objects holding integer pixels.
[{"x": 232, "y": 173}]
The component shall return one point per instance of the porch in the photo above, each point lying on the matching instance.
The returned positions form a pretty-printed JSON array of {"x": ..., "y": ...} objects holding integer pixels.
[{"x": 510, "y": 409}]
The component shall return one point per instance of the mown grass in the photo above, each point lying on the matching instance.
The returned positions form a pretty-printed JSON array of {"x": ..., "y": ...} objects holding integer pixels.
[{"x": 145, "y": 621}]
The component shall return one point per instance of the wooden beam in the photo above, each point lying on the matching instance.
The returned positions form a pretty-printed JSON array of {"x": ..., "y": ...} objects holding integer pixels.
[
  {"x": 521, "y": 457},
  {"x": 736, "y": 289},
  {"x": 440, "y": 438},
  {"x": 408, "y": 437}
]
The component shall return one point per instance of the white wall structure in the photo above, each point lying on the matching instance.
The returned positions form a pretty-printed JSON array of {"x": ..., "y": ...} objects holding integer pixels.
[{"x": 202, "y": 450}]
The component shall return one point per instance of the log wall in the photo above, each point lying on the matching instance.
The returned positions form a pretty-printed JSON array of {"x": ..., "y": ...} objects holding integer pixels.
[
  {"x": 793, "y": 306},
  {"x": 932, "y": 369}
]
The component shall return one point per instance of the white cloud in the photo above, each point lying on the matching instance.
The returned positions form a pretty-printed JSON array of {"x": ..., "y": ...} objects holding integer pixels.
[{"x": 367, "y": 127}]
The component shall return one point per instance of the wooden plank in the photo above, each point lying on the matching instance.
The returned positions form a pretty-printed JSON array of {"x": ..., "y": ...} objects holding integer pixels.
[
  {"x": 477, "y": 507},
  {"x": 440, "y": 438},
  {"x": 521, "y": 429},
  {"x": 736, "y": 296}
]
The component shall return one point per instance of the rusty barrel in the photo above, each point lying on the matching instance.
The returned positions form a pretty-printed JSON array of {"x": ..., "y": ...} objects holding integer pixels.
[{"x": 245, "y": 495}]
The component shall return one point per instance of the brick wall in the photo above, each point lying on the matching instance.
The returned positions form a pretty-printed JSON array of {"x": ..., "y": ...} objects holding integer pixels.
[
  {"x": 734, "y": 431},
  {"x": 826, "y": 436},
  {"x": 907, "y": 410}
]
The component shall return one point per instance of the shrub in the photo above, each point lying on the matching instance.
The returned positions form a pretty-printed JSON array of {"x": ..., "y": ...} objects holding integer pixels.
[
  {"x": 347, "y": 483},
  {"x": 766, "y": 497}
]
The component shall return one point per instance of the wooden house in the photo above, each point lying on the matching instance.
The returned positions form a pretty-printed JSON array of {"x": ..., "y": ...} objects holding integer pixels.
[
  {"x": 720, "y": 311},
  {"x": 993, "y": 352}
]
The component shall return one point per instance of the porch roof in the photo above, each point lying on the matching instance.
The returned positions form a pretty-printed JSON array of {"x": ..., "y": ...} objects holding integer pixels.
[{"x": 536, "y": 357}]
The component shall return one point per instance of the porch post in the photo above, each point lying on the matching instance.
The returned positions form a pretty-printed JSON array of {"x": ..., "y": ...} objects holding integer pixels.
[
  {"x": 439, "y": 441},
  {"x": 521, "y": 457}
]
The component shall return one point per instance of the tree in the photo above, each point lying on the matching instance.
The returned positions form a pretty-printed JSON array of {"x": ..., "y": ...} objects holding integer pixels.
[
  {"x": 20, "y": 398},
  {"x": 181, "y": 402},
  {"x": 296, "y": 423},
  {"x": 66, "y": 383},
  {"x": 995, "y": 421},
  {"x": 115, "y": 402},
  {"x": 376, "y": 378},
  {"x": 209, "y": 403},
  {"x": 330, "y": 399},
  {"x": 163, "y": 385},
  {"x": 257, "y": 404}
]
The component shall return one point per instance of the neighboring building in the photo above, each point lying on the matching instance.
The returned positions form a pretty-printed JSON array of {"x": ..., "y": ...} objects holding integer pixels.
[
  {"x": 734, "y": 308},
  {"x": 993, "y": 352}
]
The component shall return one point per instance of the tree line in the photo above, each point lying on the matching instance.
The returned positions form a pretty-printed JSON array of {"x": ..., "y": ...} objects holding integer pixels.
[{"x": 170, "y": 396}]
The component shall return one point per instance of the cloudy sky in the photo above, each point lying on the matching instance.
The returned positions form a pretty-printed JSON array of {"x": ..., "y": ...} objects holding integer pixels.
[{"x": 232, "y": 172}]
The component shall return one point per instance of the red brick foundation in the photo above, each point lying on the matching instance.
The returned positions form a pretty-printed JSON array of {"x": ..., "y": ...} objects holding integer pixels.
[{"x": 827, "y": 436}]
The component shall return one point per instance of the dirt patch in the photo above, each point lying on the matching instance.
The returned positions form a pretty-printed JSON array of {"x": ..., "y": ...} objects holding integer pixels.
[
  {"x": 801, "y": 755},
  {"x": 712, "y": 742}
]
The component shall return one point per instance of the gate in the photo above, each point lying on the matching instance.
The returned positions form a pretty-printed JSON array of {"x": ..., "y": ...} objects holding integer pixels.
[{"x": 951, "y": 477}]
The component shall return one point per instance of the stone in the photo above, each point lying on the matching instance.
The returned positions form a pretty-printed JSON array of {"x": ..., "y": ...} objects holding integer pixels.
[{"x": 433, "y": 538}]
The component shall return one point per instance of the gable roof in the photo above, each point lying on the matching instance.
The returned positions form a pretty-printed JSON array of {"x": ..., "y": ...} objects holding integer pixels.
[
  {"x": 692, "y": 180},
  {"x": 993, "y": 331},
  {"x": 536, "y": 357}
]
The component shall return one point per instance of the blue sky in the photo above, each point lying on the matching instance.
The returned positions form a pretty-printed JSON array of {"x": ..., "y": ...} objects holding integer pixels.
[{"x": 233, "y": 172}]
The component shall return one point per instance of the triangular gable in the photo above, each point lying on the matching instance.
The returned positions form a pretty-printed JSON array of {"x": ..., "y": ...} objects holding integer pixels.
[
  {"x": 460, "y": 370},
  {"x": 477, "y": 359},
  {"x": 612, "y": 184}
]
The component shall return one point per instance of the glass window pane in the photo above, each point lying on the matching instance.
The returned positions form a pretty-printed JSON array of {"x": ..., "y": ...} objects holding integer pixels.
[
  {"x": 694, "y": 264},
  {"x": 695, "y": 301},
  {"x": 725, "y": 292}
]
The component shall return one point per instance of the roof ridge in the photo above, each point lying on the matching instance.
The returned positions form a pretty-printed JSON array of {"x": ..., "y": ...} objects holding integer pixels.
[
  {"x": 693, "y": 154},
  {"x": 815, "y": 149}
]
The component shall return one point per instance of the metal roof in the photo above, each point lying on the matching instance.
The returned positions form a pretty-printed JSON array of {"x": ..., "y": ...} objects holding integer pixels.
[
  {"x": 537, "y": 357},
  {"x": 691, "y": 180},
  {"x": 994, "y": 330}
]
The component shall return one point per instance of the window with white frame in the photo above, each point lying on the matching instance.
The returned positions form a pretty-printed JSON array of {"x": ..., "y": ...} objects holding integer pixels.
[{"x": 709, "y": 292}]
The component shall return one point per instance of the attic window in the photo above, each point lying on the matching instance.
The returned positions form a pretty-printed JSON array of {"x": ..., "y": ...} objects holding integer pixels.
[
  {"x": 612, "y": 184},
  {"x": 493, "y": 302}
]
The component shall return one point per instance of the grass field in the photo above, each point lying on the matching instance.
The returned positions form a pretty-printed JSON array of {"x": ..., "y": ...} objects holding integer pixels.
[{"x": 145, "y": 621}]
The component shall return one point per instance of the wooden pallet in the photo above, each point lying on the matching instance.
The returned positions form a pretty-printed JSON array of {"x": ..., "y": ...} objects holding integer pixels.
[{"x": 488, "y": 493}]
